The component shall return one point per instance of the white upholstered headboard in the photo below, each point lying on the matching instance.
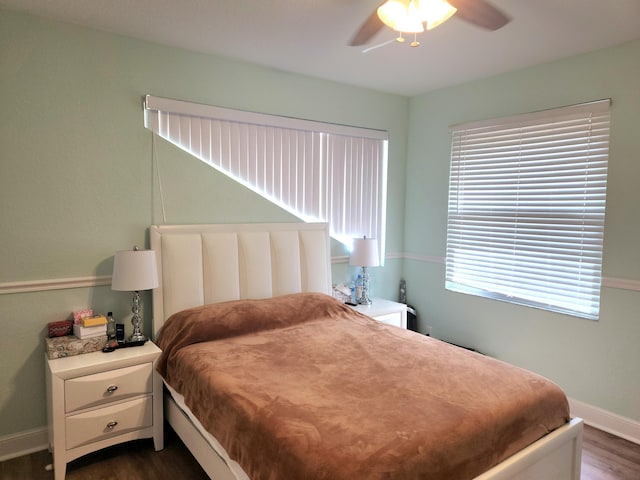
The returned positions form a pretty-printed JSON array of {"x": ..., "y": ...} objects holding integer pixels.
[{"x": 202, "y": 264}]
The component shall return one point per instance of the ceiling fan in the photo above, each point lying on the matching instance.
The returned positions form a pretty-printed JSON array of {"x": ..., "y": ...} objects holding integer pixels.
[{"x": 412, "y": 16}]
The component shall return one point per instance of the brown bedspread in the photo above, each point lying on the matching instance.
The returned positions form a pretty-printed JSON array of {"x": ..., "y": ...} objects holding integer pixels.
[{"x": 303, "y": 387}]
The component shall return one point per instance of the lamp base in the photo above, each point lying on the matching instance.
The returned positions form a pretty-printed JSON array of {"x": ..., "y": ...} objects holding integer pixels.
[
  {"x": 364, "y": 296},
  {"x": 136, "y": 337}
]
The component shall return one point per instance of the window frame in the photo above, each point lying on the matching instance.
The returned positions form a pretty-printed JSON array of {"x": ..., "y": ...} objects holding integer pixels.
[{"x": 505, "y": 239}]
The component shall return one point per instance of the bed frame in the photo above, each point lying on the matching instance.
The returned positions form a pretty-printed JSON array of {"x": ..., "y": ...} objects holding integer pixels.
[{"x": 202, "y": 264}]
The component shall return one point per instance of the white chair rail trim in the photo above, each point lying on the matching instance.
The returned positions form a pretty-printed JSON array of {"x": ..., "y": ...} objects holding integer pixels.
[
  {"x": 609, "y": 282},
  {"x": 96, "y": 281},
  {"x": 54, "y": 284}
]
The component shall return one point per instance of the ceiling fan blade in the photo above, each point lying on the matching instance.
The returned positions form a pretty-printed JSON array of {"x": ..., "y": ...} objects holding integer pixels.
[
  {"x": 480, "y": 13},
  {"x": 369, "y": 28}
]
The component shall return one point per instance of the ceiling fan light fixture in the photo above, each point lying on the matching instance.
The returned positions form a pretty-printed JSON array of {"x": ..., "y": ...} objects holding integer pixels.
[
  {"x": 400, "y": 15},
  {"x": 435, "y": 12},
  {"x": 410, "y": 16}
]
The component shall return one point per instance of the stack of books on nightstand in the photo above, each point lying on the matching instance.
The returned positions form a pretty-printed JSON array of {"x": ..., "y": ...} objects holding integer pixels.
[{"x": 89, "y": 327}]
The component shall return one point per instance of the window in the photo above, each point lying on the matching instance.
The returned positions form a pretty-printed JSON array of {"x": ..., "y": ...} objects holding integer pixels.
[
  {"x": 526, "y": 208},
  {"x": 316, "y": 171}
]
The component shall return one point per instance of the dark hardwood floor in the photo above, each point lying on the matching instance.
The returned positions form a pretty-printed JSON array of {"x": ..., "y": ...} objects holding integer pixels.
[
  {"x": 605, "y": 457},
  {"x": 135, "y": 460}
]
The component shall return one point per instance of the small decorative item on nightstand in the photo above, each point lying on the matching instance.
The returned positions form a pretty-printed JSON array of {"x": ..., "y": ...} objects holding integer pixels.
[
  {"x": 112, "y": 340},
  {"x": 60, "y": 328},
  {"x": 135, "y": 270}
]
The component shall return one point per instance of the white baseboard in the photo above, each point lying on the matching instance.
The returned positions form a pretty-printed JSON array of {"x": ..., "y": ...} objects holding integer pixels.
[
  {"x": 23, "y": 443},
  {"x": 609, "y": 422}
]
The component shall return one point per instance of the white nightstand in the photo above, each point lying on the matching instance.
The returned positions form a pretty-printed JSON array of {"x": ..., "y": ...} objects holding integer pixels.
[
  {"x": 386, "y": 311},
  {"x": 98, "y": 399}
]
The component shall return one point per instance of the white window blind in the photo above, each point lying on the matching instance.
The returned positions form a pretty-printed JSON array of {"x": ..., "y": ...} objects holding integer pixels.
[
  {"x": 526, "y": 208},
  {"x": 316, "y": 171}
]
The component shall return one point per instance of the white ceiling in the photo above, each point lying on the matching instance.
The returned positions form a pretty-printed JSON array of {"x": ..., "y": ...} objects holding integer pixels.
[{"x": 311, "y": 36}]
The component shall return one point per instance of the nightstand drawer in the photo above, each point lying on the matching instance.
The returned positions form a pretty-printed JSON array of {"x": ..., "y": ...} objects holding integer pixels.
[
  {"x": 109, "y": 421},
  {"x": 385, "y": 311},
  {"x": 390, "y": 319},
  {"x": 100, "y": 388}
]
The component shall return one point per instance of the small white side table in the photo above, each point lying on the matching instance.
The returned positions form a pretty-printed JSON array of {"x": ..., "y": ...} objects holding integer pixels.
[
  {"x": 386, "y": 311},
  {"x": 95, "y": 400}
]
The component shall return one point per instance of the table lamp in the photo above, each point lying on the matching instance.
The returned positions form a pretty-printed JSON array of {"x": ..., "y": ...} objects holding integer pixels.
[
  {"x": 133, "y": 271},
  {"x": 364, "y": 254}
]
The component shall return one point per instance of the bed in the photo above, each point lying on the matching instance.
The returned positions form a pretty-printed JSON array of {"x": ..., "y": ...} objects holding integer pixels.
[{"x": 239, "y": 302}]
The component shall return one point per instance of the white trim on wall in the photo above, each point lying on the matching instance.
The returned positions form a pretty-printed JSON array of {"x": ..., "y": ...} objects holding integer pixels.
[
  {"x": 23, "y": 443},
  {"x": 621, "y": 283},
  {"x": 424, "y": 258},
  {"x": 609, "y": 282},
  {"x": 54, "y": 284},
  {"x": 96, "y": 281},
  {"x": 388, "y": 256},
  {"x": 603, "y": 420}
]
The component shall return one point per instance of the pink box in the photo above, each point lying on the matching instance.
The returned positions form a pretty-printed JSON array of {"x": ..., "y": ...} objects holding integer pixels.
[{"x": 78, "y": 315}]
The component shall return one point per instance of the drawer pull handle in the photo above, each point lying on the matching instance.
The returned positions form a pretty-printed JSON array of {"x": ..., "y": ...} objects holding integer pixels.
[
  {"x": 112, "y": 388},
  {"x": 111, "y": 425}
]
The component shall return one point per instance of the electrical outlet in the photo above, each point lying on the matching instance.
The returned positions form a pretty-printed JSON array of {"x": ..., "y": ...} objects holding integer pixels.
[{"x": 429, "y": 330}]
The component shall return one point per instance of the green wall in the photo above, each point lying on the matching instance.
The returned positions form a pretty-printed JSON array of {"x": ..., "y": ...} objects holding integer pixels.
[
  {"x": 596, "y": 362},
  {"x": 77, "y": 180}
]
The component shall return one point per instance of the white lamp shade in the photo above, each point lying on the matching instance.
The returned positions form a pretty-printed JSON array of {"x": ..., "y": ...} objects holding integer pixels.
[
  {"x": 365, "y": 252},
  {"x": 134, "y": 270}
]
